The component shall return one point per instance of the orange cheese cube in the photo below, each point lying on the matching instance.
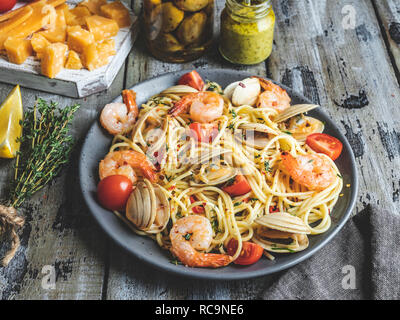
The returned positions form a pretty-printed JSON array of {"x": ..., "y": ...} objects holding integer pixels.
[
  {"x": 73, "y": 61},
  {"x": 118, "y": 12},
  {"x": 77, "y": 15},
  {"x": 16, "y": 20},
  {"x": 92, "y": 59},
  {"x": 35, "y": 22},
  {"x": 101, "y": 28},
  {"x": 93, "y": 5},
  {"x": 18, "y": 50},
  {"x": 59, "y": 33},
  {"x": 53, "y": 59},
  {"x": 39, "y": 43},
  {"x": 79, "y": 38},
  {"x": 106, "y": 48}
]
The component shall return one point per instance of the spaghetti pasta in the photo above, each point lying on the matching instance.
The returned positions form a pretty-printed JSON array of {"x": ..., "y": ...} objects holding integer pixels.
[{"x": 245, "y": 141}]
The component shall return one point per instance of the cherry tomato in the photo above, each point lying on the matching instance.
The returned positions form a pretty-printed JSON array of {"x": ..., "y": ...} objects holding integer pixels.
[
  {"x": 196, "y": 209},
  {"x": 204, "y": 132},
  {"x": 250, "y": 254},
  {"x": 192, "y": 79},
  {"x": 324, "y": 143},
  {"x": 113, "y": 192},
  {"x": 273, "y": 209},
  {"x": 6, "y": 5},
  {"x": 239, "y": 187}
]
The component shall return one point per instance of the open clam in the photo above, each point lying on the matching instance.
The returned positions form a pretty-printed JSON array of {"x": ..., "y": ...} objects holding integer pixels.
[
  {"x": 256, "y": 135},
  {"x": 148, "y": 207},
  {"x": 301, "y": 126},
  {"x": 243, "y": 92},
  {"x": 179, "y": 90},
  {"x": 294, "y": 111},
  {"x": 214, "y": 174},
  {"x": 281, "y": 232}
]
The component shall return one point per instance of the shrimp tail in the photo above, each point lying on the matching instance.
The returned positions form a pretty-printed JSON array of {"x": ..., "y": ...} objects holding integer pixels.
[
  {"x": 180, "y": 106},
  {"x": 129, "y": 98},
  {"x": 203, "y": 260}
]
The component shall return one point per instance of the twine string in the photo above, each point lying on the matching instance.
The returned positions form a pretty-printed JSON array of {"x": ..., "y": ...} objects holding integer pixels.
[{"x": 9, "y": 222}]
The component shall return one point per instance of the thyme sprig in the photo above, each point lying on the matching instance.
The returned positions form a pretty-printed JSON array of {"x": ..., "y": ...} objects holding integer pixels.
[{"x": 45, "y": 147}]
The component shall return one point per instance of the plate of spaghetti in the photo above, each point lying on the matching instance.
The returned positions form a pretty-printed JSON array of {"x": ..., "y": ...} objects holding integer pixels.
[{"x": 222, "y": 175}]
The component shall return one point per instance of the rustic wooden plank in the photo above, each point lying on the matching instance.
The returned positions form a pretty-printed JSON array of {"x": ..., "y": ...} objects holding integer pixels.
[
  {"x": 350, "y": 73},
  {"x": 389, "y": 15},
  {"x": 59, "y": 231},
  {"x": 129, "y": 279}
]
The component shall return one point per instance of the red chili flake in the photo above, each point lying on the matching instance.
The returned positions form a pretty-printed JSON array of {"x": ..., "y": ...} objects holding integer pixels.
[
  {"x": 172, "y": 188},
  {"x": 246, "y": 200},
  {"x": 242, "y": 85},
  {"x": 156, "y": 154}
]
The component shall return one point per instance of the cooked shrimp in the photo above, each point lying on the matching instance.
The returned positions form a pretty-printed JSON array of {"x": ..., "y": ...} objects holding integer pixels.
[
  {"x": 313, "y": 171},
  {"x": 205, "y": 106},
  {"x": 118, "y": 118},
  {"x": 119, "y": 162},
  {"x": 273, "y": 96},
  {"x": 193, "y": 233}
]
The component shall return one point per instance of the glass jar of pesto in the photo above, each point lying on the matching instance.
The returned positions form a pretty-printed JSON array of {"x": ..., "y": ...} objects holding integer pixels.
[{"x": 247, "y": 31}]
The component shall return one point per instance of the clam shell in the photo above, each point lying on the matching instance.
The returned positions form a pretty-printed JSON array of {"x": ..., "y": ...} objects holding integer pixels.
[
  {"x": 217, "y": 176},
  {"x": 162, "y": 209},
  {"x": 316, "y": 126},
  {"x": 280, "y": 248},
  {"x": 284, "y": 222},
  {"x": 259, "y": 127},
  {"x": 179, "y": 90},
  {"x": 141, "y": 206},
  {"x": 294, "y": 111}
]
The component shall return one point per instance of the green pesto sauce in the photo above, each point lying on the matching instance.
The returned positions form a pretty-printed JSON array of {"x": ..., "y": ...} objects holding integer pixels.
[{"x": 243, "y": 42}]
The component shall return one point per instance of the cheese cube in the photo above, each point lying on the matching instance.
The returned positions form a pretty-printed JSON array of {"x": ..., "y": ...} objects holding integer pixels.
[
  {"x": 39, "y": 43},
  {"x": 36, "y": 21},
  {"x": 53, "y": 59},
  {"x": 118, "y": 12},
  {"x": 18, "y": 50},
  {"x": 59, "y": 33},
  {"x": 73, "y": 61},
  {"x": 106, "y": 48},
  {"x": 79, "y": 38},
  {"x": 92, "y": 59},
  {"x": 101, "y": 28},
  {"x": 93, "y": 5},
  {"x": 76, "y": 16}
]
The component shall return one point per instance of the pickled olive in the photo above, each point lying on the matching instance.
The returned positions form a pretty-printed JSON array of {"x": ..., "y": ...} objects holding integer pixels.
[
  {"x": 191, "y": 5},
  {"x": 178, "y": 30},
  {"x": 169, "y": 43},
  {"x": 191, "y": 29},
  {"x": 172, "y": 16}
]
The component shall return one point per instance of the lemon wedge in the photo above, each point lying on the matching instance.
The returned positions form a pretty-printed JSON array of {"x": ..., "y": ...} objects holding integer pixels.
[{"x": 11, "y": 112}]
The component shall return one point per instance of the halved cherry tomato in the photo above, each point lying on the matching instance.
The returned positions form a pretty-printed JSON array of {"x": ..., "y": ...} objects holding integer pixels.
[
  {"x": 239, "y": 187},
  {"x": 250, "y": 254},
  {"x": 273, "y": 209},
  {"x": 6, "y": 5},
  {"x": 204, "y": 132},
  {"x": 324, "y": 143},
  {"x": 196, "y": 209},
  {"x": 113, "y": 192},
  {"x": 192, "y": 79}
]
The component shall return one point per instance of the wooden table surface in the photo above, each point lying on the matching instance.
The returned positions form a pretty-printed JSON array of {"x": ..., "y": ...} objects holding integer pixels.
[{"x": 351, "y": 70}]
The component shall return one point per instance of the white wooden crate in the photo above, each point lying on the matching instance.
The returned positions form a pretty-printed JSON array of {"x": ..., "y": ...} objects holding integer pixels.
[{"x": 72, "y": 83}]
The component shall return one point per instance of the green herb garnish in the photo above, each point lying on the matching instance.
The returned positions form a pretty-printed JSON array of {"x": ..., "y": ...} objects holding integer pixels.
[{"x": 45, "y": 147}]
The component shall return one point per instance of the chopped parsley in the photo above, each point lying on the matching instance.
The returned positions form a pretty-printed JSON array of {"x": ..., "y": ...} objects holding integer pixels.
[
  {"x": 234, "y": 115},
  {"x": 237, "y": 204},
  {"x": 187, "y": 236},
  {"x": 267, "y": 167}
]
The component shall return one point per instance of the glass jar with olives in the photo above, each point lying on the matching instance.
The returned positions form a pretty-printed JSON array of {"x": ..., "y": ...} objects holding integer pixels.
[{"x": 178, "y": 30}]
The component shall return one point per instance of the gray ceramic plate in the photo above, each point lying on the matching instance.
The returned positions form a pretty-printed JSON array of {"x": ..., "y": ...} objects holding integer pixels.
[{"x": 146, "y": 250}]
